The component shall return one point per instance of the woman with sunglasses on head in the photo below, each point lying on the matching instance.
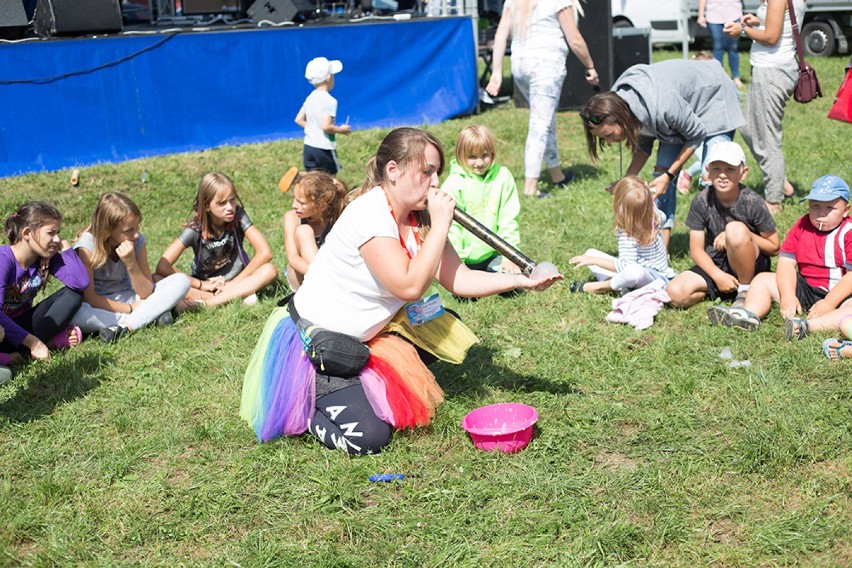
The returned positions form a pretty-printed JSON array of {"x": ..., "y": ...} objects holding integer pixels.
[
  {"x": 539, "y": 30},
  {"x": 680, "y": 103}
]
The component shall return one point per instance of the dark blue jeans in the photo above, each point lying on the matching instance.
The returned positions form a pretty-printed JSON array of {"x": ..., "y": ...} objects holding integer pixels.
[{"x": 722, "y": 43}]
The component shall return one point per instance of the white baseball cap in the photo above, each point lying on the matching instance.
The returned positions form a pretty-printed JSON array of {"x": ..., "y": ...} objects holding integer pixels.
[
  {"x": 729, "y": 152},
  {"x": 319, "y": 69}
]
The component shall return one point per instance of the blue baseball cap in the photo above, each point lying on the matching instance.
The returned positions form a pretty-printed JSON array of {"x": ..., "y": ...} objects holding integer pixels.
[{"x": 828, "y": 188}]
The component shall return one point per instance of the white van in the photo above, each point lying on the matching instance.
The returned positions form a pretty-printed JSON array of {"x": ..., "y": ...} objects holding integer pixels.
[{"x": 667, "y": 19}]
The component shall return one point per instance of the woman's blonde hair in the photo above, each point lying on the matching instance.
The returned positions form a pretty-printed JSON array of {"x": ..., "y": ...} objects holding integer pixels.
[
  {"x": 633, "y": 206},
  {"x": 110, "y": 212},
  {"x": 407, "y": 147},
  {"x": 523, "y": 9},
  {"x": 474, "y": 140},
  {"x": 209, "y": 187},
  {"x": 325, "y": 194}
]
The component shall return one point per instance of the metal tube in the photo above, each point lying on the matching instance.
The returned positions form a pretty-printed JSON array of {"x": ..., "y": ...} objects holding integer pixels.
[{"x": 486, "y": 235}]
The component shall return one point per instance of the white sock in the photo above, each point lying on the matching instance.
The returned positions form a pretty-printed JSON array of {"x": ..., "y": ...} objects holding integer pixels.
[{"x": 742, "y": 288}]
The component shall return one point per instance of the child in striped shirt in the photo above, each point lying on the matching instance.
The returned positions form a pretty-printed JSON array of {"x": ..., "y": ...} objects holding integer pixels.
[{"x": 642, "y": 256}]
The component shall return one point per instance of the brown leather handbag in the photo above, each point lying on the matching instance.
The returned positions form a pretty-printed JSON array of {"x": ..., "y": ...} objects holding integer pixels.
[{"x": 807, "y": 85}]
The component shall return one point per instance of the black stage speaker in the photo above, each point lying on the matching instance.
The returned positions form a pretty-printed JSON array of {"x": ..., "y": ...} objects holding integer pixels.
[
  {"x": 191, "y": 7},
  {"x": 631, "y": 46},
  {"x": 76, "y": 17},
  {"x": 281, "y": 11},
  {"x": 13, "y": 19}
]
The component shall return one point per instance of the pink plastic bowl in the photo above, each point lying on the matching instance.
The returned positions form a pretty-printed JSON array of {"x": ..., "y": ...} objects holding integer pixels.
[{"x": 506, "y": 427}]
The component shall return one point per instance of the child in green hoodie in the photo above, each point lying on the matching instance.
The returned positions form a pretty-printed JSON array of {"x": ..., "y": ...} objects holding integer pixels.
[{"x": 487, "y": 192}]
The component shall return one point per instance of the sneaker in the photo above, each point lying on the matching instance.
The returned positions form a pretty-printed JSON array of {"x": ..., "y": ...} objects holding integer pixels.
[
  {"x": 684, "y": 182},
  {"x": 5, "y": 375},
  {"x": 717, "y": 315},
  {"x": 166, "y": 318},
  {"x": 250, "y": 300},
  {"x": 113, "y": 333},
  {"x": 741, "y": 318},
  {"x": 737, "y": 317}
]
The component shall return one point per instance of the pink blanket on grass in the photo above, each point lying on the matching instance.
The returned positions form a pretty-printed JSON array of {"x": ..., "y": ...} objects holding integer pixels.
[{"x": 639, "y": 307}]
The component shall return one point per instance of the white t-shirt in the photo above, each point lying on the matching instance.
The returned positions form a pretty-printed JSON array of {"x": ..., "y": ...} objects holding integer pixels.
[
  {"x": 780, "y": 54},
  {"x": 339, "y": 291},
  {"x": 318, "y": 104},
  {"x": 543, "y": 37}
]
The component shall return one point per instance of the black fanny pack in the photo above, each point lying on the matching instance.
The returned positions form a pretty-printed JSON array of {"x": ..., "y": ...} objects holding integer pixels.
[{"x": 332, "y": 353}]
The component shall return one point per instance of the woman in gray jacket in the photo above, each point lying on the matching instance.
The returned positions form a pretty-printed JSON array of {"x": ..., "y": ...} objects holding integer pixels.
[{"x": 680, "y": 103}]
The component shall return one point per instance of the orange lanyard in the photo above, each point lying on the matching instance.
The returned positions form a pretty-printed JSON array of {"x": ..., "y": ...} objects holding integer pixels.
[{"x": 412, "y": 221}]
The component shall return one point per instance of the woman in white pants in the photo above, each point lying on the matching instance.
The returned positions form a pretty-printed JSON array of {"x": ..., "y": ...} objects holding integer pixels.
[{"x": 539, "y": 30}]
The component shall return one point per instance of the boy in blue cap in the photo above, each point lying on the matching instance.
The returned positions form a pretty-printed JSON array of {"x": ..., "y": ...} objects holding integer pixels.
[{"x": 813, "y": 273}]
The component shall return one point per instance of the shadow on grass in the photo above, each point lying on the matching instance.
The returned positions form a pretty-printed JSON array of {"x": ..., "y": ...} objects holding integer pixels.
[
  {"x": 479, "y": 373},
  {"x": 679, "y": 244},
  {"x": 67, "y": 380}
]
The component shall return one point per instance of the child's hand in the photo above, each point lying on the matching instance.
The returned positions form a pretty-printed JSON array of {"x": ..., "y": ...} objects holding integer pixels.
[
  {"x": 719, "y": 242},
  {"x": 582, "y": 260},
  {"x": 726, "y": 282},
  {"x": 820, "y": 309},
  {"x": 214, "y": 285},
  {"x": 506, "y": 267},
  {"x": 344, "y": 129},
  {"x": 39, "y": 351},
  {"x": 790, "y": 307},
  {"x": 126, "y": 251}
]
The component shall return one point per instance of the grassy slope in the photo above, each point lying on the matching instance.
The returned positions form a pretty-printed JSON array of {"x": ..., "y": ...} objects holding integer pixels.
[{"x": 649, "y": 450}]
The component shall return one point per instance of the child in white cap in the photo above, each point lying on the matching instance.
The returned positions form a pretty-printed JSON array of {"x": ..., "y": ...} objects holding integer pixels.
[
  {"x": 731, "y": 233},
  {"x": 814, "y": 272},
  {"x": 317, "y": 117}
]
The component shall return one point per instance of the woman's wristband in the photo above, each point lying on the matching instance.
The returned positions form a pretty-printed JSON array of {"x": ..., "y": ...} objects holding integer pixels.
[
  {"x": 743, "y": 33},
  {"x": 131, "y": 308},
  {"x": 668, "y": 173}
]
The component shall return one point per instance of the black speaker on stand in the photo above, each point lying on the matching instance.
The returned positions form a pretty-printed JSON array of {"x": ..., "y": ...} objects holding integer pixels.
[
  {"x": 282, "y": 11},
  {"x": 13, "y": 19},
  {"x": 76, "y": 17}
]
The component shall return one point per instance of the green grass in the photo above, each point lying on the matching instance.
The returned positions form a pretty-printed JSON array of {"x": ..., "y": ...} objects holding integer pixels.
[{"x": 649, "y": 450}]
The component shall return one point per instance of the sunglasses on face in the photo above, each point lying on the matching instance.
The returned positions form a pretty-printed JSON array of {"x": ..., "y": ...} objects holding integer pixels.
[{"x": 592, "y": 119}]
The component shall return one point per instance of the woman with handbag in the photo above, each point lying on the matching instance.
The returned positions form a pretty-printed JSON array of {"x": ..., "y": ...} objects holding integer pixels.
[
  {"x": 365, "y": 286},
  {"x": 774, "y": 72}
]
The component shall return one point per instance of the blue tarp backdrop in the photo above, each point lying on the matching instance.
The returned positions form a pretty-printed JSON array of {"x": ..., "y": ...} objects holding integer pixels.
[{"x": 142, "y": 96}]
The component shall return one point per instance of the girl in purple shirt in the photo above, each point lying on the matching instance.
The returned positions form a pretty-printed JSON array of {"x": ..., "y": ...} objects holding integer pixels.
[{"x": 32, "y": 256}]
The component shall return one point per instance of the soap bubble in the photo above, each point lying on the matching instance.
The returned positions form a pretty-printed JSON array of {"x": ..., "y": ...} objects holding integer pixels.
[{"x": 544, "y": 270}]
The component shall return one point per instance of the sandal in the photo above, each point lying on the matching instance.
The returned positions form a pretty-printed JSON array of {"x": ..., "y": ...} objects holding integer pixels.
[
  {"x": 739, "y": 301},
  {"x": 796, "y": 328},
  {"x": 739, "y": 318},
  {"x": 835, "y": 352},
  {"x": 62, "y": 340},
  {"x": 569, "y": 175},
  {"x": 577, "y": 286}
]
